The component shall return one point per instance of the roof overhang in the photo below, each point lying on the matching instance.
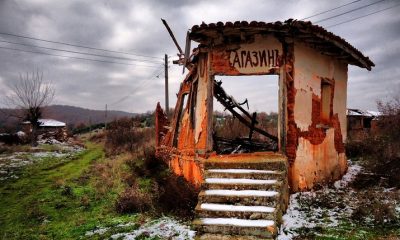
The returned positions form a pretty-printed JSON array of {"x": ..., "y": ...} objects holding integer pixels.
[{"x": 314, "y": 36}]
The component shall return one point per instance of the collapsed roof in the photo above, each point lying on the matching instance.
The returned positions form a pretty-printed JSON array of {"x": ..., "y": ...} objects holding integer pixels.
[{"x": 313, "y": 35}]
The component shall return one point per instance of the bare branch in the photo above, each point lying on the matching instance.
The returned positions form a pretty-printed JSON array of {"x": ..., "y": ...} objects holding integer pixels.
[{"x": 29, "y": 95}]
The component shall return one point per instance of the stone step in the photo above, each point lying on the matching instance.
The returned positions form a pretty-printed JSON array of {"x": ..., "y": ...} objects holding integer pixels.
[
  {"x": 213, "y": 210},
  {"x": 257, "y": 161},
  {"x": 242, "y": 197},
  {"x": 235, "y": 226},
  {"x": 209, "y": 236},
  {"x": 241, "y": 184},
  {"x": 244, "y": 173}
]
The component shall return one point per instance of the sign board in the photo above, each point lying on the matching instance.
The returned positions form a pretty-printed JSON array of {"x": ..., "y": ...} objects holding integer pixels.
[{"x": 263, "y": 56}]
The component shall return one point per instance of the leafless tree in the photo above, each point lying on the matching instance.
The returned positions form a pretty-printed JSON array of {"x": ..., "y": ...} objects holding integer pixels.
[{"x": 28, "y": 96}]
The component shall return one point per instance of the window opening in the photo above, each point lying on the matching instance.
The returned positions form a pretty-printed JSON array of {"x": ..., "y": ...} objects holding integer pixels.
[
  {"x": 245, "y": 116},
  {"x": 326, "y": 100},
  {"x": 367, "y": 122}
]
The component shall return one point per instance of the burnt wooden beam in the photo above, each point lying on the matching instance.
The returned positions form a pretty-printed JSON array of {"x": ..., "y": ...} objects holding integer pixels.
[
  {"x": 253, "y": 124},
  {"x": 227, "y": 101}
]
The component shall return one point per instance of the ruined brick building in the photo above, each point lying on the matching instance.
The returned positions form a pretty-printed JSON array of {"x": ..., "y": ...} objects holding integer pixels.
[{"x": 312, "y": 66}]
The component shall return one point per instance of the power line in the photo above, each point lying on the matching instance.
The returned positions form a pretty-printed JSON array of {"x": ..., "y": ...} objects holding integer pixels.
[
  {"x": 335, "y": 16},
  {"x": 76, "y": 45},
  {"x": 141, "y": 82},
  {"x": 330, "y": 10},
  {"x": 155, "y": 74},
  {"x": 94, "y": 60},
  {"x": 353, "y": 19},
  {"x": 90, "y": 54}
]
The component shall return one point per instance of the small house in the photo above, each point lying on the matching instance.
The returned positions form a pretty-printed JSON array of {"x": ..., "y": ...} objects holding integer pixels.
[
  {"x": 311, "y": 67},
  {"x": 49, "y": 128},
  {"x": 361, "y": 124}
]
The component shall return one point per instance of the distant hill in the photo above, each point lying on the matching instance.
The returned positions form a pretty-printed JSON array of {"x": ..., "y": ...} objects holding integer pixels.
[
  {"x": 76, "y": 115},
  {"x": 72, "y": 116}
]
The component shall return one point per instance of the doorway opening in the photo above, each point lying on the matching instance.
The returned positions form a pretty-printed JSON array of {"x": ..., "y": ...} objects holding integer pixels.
[{"x": 245, "y": 114}]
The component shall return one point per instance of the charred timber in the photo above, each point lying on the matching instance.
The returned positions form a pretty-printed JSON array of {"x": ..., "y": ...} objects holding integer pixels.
[{"x": 229, "y": 103}]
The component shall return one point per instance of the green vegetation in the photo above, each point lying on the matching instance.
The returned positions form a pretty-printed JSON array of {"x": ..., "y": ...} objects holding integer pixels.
[{"x": 63, "y": 198}]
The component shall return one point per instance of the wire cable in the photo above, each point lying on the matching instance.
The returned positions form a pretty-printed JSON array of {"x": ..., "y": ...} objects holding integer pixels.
[
  {"x": 157, "y": 73},
  {"x": 75, "y": 45},
  {"x": 353, "y": 19},
  {"x": 90, "y": 54},
  {"x": 94, "y": 60},
  {"x": 338, "y": 15},
  {"x": 330, "y": 10}
]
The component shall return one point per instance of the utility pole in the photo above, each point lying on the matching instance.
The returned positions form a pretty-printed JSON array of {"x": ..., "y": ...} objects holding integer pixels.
[
  {"x": 90, "y": 126},
  {"x": 166, "y": 84},
  {"x": 105, "y": 121}
]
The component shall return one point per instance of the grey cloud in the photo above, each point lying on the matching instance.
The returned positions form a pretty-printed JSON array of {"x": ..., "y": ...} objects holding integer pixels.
[{"x": 95, "y": 23}]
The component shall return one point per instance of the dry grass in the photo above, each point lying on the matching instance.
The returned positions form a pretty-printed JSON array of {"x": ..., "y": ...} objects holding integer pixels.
[
  {"x": 126, "y": 135},
  {"x": 133, "y": 199},
  {"x": 152, "y": 187},
  {"x": 380, "y": 151}
]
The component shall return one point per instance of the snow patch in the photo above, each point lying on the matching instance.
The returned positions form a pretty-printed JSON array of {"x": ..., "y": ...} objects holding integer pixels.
[
  {"x": 237, "y": 222},
  {"x": 249, "y": 193},
  {"x": 49, "y": 154},
  {"x": 164, "y": 228},
  {"x": 99, "y": 231},
  {"x": 10, "y": 164},
  {"x": 241, "y": 171},
  {"x": 352, "y": 172},
  {"x": 302, "y": 214},
  {"x": 238, "y": 181},
  {"x": 235, "y": 208}
]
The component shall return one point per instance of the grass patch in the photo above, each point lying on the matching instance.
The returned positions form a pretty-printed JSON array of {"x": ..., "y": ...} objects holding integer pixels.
[
  {"x": 350, "y": 231},
  {"x": 63, "y": 198}
]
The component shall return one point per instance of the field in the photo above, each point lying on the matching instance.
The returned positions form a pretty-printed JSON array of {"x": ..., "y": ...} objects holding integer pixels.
[
  {"x": 62, "y": 194},
  {"x": 109, "y": 186}
]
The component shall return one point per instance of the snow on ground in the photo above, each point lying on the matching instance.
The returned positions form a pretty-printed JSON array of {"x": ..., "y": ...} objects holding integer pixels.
[
  {"x": 237, "y": 170},
  {"x": 352, "y": 172},
  {"x": 224, "y": 192},
  {"x": 10, "y": 164},
  {"x": 335, "y": 204},
  {"x": 239, "y": 181},
  {"x": 235, "y": 208},
  {"x": 237, "y": 222},
  {"x": 163, "y": 228}
]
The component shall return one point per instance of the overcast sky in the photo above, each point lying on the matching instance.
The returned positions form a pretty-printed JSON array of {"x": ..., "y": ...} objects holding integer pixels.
[{"x": 135, "y": 27}]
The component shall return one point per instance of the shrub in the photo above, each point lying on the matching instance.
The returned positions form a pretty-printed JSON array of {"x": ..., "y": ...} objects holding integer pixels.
[
  {"x": 133, "y": 200},
  {"x": 177, "y": 196},
  {"x": 380, "y": 151},
  {"x": 376, "y": 209},
  {"x": 98, "y": 137},
  {"x": 126, "y": 135},
  {"x": 153, "y": 187}
]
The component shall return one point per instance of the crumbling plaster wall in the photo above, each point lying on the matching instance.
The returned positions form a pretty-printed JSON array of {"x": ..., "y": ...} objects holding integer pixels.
[
  {"x": 204, "y": 107},
  {"x": 319, "y": 155},
  {"x": 194, "y": 137}
]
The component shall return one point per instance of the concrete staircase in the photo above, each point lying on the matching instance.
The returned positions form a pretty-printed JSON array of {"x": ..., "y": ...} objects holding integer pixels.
[{"x": 243, "y": 197}]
